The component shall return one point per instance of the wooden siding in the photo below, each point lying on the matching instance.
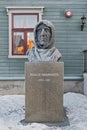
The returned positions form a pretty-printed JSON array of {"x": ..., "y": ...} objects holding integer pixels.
[{"x": 68, "y": 38}]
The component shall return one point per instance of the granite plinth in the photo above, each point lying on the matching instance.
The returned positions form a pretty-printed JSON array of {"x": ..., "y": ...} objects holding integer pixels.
[{"x": 44, "y": 91}]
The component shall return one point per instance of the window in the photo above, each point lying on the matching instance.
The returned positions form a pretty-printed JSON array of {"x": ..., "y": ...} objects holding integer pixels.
[
  {"x": 22, "y": 32},
  {"x": 22, "y": 21}
]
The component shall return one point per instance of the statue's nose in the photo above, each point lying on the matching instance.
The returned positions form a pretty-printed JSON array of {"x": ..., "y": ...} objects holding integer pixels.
[{"x": 43, "y": 33}]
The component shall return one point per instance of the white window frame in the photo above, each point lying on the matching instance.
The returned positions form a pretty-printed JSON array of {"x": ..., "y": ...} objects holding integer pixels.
[{"x": 10, "y": 11}]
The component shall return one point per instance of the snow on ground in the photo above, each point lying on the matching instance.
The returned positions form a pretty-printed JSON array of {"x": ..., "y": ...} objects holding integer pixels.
[{"x": 12, "y": 112}]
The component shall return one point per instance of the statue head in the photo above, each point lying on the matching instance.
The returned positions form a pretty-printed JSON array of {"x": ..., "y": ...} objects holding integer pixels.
[{"x": 44, "y": 35}]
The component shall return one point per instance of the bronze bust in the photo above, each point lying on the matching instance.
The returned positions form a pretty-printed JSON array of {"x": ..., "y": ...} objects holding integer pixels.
[{"x": 44, "y": 49}]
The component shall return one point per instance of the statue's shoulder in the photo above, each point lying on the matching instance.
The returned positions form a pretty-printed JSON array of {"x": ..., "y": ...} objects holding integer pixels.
[{"x": 30, "y": 51}]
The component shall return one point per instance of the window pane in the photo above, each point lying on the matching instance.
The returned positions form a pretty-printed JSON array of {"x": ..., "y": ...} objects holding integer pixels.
[
  {"x": 18, "y": 43},
  {"x": 25, "y": 21},
  {"x": 30, "y": 40}
]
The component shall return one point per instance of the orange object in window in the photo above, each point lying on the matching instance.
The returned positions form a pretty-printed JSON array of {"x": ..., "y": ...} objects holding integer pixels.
[
  {"x": 20, "y": 50},
  {"x": 30, "y": 44}
]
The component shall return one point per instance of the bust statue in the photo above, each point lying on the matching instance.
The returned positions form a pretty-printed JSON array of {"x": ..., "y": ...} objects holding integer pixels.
[{"x": 44, "y": 49}]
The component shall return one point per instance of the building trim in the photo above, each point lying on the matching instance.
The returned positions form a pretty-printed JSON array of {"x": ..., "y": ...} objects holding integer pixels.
[{"x": 23, "y": 78}]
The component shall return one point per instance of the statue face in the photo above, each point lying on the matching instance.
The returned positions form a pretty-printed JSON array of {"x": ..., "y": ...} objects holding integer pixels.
[{"x": 43, "y": 35}]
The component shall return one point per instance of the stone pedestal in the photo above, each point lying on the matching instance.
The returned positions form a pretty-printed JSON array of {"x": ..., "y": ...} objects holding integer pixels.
[
  {"x": 85, "y": 84},
  {"x": 44, "y": 91}
]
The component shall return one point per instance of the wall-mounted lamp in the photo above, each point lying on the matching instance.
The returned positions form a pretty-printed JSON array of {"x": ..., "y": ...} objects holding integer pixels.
[{"x": 83, "y": 18}]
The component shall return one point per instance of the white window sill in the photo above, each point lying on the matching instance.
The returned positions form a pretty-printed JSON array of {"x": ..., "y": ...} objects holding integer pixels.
[{"x": 17, "y": 56}]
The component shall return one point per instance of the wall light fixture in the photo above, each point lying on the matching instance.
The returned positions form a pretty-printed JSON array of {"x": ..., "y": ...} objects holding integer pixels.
[{"x": 83, "y": 18}]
